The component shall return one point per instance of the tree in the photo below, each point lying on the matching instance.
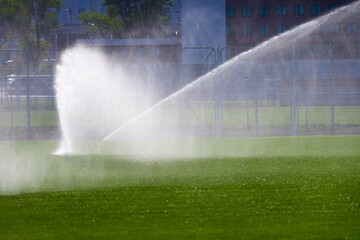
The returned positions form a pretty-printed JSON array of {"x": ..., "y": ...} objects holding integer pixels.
[
  {"x": 30, "y": 20},
  {"x": 103, "y": 24},
  {"x": 132, "y": 18}
]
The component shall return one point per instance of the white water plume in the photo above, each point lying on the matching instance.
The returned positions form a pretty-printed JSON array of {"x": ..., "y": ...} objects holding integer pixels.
[
  {"x": 101, "y": 98},
  {"x": 92, "y": 92}
]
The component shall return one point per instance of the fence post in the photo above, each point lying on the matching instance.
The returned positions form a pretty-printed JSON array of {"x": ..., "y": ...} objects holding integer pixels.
[
  {"x": 219, "y": 105},
  {"x": 4, "y": 87},
  {"x": 257, "y": 75},
  {"x": 11, "y": 107},
  {"x": 28, "y": 95},
  {"x": 247, "y": 110},
  {"x": 293, "y": 76},
  {"x": 180, "y": 123},
  {"x": 359, "y": 48},
  {"x": 306, "y": 113},
  {"x": 2, "y": 84},
  {"x": 18, "y": 88},
  {"x": 56, "y": 44},
  {"x": 36, "y": 87},
  {"x": 332, "y": 86},
  {"x": 141, "y": 73},
  {"x": 50, "y": 90}
]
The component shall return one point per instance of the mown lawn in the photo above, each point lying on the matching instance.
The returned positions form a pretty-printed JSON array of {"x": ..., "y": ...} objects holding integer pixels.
[{"x": 279, "y": 188}]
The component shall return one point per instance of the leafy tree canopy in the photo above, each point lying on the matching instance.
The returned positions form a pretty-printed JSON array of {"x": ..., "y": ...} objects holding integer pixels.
[
  {"x": 29, "y": 20},
  {"x": 131, "y": 18},
  {"x": 103, "y": 24}
]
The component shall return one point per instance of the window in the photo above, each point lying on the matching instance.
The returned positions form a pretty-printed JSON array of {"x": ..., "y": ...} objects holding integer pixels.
[
  {"x": 281, "y": 28},
  {"x": 333, "y": 7},
  {"x": 264, "y": 30},
  {"x": 230, "y": 11},
  {"x": 299, "y": 10},
  {"x": 246, "y": 11},
  {"x": 281, "y": 10},
  {"x": 351, "y": 28},
  {"x": 351, "y": 9},
  {"x": 319, "y": 30},
  {"x": 230, "y": 31},
  {"x": 316, "y": 9},
  {"x": 264, "y": 11},
  {"x": 81, "y": 10},
  {"x": 315, "y": 48},
  {"x": 335, "y": 28},
  {"x": 246, "y": 30}
]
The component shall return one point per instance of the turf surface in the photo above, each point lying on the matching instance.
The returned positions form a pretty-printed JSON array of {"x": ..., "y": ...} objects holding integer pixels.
[{"x": 291, "y": 188}]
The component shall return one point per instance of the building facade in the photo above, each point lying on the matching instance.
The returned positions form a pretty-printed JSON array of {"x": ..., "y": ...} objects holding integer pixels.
[{"x": 250, "y": 22}]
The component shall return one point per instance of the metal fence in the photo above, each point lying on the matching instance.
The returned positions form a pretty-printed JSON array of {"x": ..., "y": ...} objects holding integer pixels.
[
  {"x": 296, "y": 96},
  {"x": 27, "y": 98},
  {"x": 291, "y": 95}
]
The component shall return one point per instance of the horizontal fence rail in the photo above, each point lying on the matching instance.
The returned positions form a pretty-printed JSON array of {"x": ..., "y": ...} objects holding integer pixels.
[{"x": 259, "y": 98}]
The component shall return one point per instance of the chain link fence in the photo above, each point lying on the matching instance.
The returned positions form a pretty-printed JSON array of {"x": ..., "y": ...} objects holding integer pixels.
[
  {"x": 27, "y": 97},
  {"x": 294, "y": 96}
]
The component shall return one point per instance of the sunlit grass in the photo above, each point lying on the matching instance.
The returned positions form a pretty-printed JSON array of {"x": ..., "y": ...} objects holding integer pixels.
[{"x": 280, "y": 188}]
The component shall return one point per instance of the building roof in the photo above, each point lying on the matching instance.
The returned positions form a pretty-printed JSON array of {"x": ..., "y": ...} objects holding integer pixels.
[{"x": 131, "y": 41}]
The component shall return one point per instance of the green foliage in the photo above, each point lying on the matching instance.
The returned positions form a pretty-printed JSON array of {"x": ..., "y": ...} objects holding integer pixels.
[
  {"x": 131, "y": 18},
  {"x": 29, "y": 21},
  {"x": 103, "y": 24}
]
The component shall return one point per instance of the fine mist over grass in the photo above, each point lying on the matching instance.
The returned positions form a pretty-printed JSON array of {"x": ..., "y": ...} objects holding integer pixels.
[
  {"x": 303, "y": 187},
  {"x": 31, "y": 166}
]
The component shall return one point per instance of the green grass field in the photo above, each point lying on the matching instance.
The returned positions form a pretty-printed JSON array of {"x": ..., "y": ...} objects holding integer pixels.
[{"x": 271, "y": 188}]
